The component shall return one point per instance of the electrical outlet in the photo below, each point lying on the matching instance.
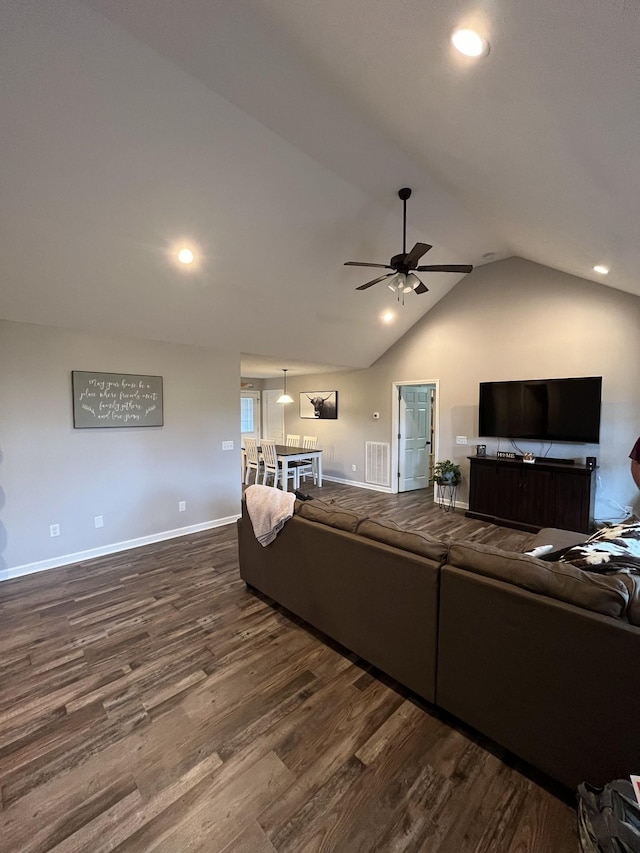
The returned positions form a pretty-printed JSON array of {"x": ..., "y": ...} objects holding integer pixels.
[
  {"x": 54, "y": 530},
  {"x": 227, "y": 445},
  {"x": 461, "y": 439},
  {"x": 98, "y": 521},
  {"x": 182, "y": 506},
  {"x": 354, "y": 468}
]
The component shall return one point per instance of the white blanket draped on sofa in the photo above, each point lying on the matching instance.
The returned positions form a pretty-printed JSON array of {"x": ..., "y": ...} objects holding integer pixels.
[{"x": 268, "y": 510}]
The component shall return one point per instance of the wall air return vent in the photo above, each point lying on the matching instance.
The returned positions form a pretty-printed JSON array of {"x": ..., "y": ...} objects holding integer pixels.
[{"x": 377, "y": 468}]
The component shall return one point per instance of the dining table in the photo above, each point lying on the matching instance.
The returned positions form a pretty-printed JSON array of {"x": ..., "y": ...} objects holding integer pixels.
[{"x": 287, "y": 455}]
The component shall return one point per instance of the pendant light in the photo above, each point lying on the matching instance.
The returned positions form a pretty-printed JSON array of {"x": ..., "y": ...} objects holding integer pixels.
[{"x": 285, "y": 398}]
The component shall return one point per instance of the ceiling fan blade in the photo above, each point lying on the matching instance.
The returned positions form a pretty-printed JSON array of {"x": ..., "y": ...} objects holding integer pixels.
[
  {"x": 421, "y": 288},
  {"x": 446, "y": 268},
  {"x": 416, "y": 253},
  {"x": 375, "y": 281},
  {"x": 358, "y": 264}
]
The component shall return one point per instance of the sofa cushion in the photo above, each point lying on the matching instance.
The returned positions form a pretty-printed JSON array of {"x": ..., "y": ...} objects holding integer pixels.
[
  {"x": 612, "y": 549},
  {"x": 633, "y": 583},
  {"x": 329, "y": 514},
  {"x": 555, "y": 542},
  {"x": 606, "y": 595},
  {"x": 390, "y": 534},
  {"x": 558, "y": 538}
]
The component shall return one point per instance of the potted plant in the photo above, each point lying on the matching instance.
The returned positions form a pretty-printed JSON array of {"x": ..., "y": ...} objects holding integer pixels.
[{"x": 447, "y": 473}]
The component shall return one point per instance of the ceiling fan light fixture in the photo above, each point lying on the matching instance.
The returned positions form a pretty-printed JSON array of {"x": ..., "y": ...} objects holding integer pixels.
[
  {"x": 400, "y": 284},
  {"x": 284, "y": 397},
  {"x": 412, "y": 281},
  {"x": 394, "y": 283}
]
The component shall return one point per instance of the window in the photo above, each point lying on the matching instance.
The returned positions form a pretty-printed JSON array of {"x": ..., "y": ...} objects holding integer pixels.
[
  {"x": 246, "y": 414},
  {"x": 250, "y": 414}
]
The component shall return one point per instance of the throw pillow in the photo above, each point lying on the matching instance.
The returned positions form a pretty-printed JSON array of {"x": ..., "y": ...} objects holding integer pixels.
[{"x": 612, "y": 549}]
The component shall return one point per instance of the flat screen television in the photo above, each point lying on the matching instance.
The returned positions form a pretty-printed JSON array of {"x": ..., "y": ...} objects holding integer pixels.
[{"x": 542, "y": 409}]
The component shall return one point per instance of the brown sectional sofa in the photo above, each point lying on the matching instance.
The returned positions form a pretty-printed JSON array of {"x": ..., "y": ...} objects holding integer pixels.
[
  {"x": 540, "y": 657},
  {"x": 377, "y": 600}
]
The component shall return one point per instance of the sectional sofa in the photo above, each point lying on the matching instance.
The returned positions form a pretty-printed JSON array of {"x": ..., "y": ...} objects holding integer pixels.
[{"x": 541, "y": 657}]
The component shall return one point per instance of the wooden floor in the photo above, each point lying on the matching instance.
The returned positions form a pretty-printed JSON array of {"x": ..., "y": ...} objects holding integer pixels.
[{"x": 149, "y": 702}]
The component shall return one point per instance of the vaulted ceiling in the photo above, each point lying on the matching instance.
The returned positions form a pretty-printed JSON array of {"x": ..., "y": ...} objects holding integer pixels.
[{"x": 272, "y": 137}]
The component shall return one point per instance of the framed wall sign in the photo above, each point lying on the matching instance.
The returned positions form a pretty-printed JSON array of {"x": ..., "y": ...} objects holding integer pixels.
[
  {"x": 322, "y": 405},
  {"x": 116, "y": 400}
]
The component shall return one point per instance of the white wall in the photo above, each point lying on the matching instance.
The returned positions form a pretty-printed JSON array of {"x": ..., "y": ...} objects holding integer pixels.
[
  {"x": 509, "y": 320},
  {"x": 133, "y": 477}
]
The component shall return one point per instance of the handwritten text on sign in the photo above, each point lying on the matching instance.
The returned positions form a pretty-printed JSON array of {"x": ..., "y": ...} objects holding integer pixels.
[{"x": 116, "y": 400}]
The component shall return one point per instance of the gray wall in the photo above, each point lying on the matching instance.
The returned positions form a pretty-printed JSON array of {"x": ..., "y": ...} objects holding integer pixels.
[
  {"x": 52, "y": 473},
  {"x": 509, "y": 320}
]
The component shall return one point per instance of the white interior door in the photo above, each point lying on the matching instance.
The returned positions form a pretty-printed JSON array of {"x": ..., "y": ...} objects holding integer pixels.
[
  {"x": 415, "y": 436},
  {"x": 273, "y": 416}
]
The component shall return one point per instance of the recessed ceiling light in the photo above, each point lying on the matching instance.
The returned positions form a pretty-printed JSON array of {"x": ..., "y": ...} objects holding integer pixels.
[
  {"x": 601, "y": 269},
  {"x": 387, "y": 317},
  {"x": 185, "y": 256},
  {"x": 470, "y": 43}
]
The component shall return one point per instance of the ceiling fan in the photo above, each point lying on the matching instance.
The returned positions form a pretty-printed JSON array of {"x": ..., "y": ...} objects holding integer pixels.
[{"x": 403, "y": 278}]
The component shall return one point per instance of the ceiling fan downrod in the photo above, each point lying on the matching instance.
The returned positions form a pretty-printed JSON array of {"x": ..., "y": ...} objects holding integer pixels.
[{"x": 404, "y": 194}]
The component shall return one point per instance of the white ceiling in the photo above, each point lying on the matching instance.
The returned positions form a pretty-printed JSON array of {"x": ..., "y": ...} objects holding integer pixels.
[
  {"x": 269, "y": 367},
  {"x": 274, "y": 135}
]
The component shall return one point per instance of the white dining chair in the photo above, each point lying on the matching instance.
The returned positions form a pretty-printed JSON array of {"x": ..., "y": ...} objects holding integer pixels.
[
  {"x": 293, "y": 441},
  {"x": 273, "y": 467},
  {"x": 252, "y": 459},
  {"x": 305, "y": 467}
]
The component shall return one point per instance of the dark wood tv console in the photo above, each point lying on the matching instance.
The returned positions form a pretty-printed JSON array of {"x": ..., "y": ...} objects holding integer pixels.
[{"x": 531, "y": 495}]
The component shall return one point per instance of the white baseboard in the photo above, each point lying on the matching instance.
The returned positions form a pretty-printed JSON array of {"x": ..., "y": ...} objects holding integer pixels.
[
  {"x": 357, "y": 485},
  {"x": 80, "y": 556}
]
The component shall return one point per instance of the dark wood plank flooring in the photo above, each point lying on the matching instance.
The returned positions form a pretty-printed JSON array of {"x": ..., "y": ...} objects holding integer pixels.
[{"x": 149, "y": 702}]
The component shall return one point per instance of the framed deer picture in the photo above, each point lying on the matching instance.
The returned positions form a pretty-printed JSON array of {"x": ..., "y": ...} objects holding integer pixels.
[{"x": 320, "y": 405}]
